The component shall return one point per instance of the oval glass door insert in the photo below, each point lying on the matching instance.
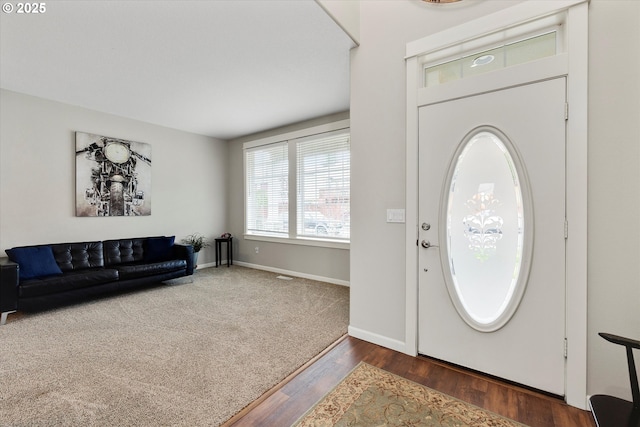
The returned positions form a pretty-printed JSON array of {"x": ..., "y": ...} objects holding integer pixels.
[{"x": 489, "y": 229}]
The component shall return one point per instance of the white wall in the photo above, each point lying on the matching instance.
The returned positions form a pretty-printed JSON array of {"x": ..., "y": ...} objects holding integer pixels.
[
  {"x": 346, "y": 14},
  {"x": 37, "y": 177},
  {"x": 323, "y": 263},
  {"x": 378, "y": 93},
  {"x": 378, "y": 172},
  {"x": 614, "y": 191}
]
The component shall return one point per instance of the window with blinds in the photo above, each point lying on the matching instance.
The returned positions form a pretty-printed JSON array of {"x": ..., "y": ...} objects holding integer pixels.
[
  {"x": 267, "y": 189},
  {"x": 323, "y": 185},
  {"x": 298, "y": 188}
]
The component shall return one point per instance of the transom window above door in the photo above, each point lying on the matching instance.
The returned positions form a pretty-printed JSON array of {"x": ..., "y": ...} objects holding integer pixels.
[{"x": 479, "y": 62}]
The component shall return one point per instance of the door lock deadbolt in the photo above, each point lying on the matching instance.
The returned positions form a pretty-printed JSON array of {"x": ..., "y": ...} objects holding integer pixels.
[{"x": 426, "y": 226}]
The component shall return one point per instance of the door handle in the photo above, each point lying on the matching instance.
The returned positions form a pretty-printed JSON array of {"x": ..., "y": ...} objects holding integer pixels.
[{"x": 426, "y": 244}]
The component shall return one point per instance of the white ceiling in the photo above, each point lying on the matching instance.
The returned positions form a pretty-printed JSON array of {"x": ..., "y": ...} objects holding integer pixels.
[{"x": 218, "y": 68}]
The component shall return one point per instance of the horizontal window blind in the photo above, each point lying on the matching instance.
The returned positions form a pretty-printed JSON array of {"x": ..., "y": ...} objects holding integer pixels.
[
  {"x": 323, "y": 185},
  {"x": 267, "y": 189}
]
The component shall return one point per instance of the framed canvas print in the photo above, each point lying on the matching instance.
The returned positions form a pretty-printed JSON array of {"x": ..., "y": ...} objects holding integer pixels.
[{"x": 113, "y": 176}]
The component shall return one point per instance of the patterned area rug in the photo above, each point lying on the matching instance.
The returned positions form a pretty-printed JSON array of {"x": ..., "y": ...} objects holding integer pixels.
[{"x": 370, "y": 396}]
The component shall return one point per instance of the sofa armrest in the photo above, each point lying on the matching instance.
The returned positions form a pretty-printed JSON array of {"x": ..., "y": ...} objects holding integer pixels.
[
  {"x": 185, "y": 252},
  {"x": 8, "y": 286}
]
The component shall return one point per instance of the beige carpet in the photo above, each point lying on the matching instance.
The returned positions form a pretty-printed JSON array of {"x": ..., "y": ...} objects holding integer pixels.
[
  {"x": 183, "y": 354},
  {"x": 370, "y": 396}
]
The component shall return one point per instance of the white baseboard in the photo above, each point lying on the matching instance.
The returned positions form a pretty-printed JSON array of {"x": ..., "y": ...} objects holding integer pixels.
[
  {"x": 292, "y": 273},
  {"x": 208, "y": 264},
  {"x": 378, "y": 339}
]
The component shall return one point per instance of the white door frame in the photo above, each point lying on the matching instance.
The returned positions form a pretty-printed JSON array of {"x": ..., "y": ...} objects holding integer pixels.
[{"x": 573, "y": 15}]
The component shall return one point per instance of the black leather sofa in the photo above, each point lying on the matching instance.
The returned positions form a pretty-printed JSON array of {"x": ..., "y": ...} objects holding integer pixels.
[{"x": 42, "y": 276}]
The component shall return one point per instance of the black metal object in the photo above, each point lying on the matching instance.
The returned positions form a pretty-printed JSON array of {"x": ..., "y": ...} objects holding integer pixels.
[{"x": 609, "y": 411}]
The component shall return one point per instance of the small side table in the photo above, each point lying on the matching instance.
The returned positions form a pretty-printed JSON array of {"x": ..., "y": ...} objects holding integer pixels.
[{"x": 229, "y": 242}]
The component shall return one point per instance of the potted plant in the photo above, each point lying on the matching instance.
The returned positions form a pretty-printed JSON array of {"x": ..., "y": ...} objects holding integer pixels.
[{"x": 198, "y": 242}]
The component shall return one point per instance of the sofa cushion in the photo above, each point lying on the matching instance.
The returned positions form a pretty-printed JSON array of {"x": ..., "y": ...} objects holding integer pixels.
[
  {"x": 139, "y": 270},
  {"x": 159, "y": 249},
  {"x": 67, "y": 281},
  {"x": 123, "y": 251},
  {"x": 34, "y": 261},
  {"x": 78, "y": 256}
]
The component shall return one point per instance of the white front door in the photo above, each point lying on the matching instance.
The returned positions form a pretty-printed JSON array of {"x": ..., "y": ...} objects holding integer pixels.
[{"x": 492, "y": 233}]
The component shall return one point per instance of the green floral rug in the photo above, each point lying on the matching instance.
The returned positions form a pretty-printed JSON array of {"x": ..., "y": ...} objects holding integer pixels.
[{"x": 370, "y": 396}]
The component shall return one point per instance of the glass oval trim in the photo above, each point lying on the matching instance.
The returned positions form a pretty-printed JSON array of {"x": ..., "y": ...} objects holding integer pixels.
[{"x": 518, "y": 286}]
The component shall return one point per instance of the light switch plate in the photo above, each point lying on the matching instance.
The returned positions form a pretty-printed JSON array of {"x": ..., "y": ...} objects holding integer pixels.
[{"x": 395, "y": 215}]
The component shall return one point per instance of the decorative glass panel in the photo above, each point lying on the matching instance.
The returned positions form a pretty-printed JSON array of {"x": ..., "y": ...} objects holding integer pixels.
[{"x": 487, "y": 230}]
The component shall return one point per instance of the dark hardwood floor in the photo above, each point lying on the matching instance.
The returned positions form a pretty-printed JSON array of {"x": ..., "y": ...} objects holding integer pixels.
[{"x": 284, "y": 404}]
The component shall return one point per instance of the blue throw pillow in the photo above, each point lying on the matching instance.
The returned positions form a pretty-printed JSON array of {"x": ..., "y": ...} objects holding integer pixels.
[
  {"x": 34, "y": 261},
  {"x": 159, "y": 249}
]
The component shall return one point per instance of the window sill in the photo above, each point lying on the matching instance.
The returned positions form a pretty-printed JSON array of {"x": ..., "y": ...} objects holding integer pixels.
[{"x": 304, "y": 241}]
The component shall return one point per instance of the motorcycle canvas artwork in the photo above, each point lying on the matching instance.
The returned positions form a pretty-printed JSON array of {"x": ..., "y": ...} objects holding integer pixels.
[{"x": 113, "y": 176}]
